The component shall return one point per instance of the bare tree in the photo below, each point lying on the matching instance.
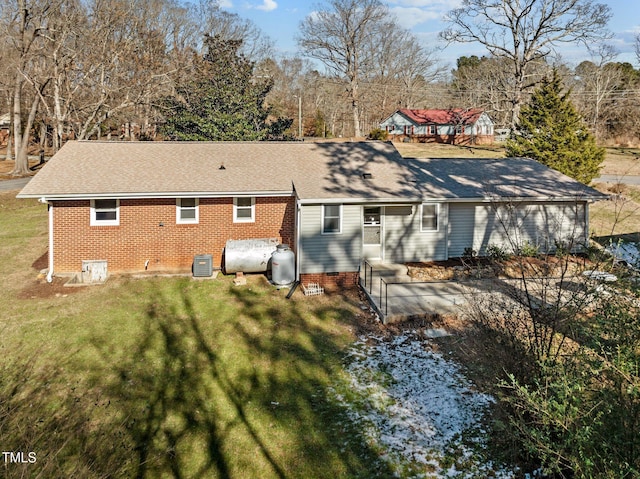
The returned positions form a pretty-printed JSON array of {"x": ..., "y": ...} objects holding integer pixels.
[
  {"x": 541, "y": 287},
  {"x": 485, "y": 83},
  {"x": 255, "y": 44},
  {"x": 123, "y": 64},
  {"x": 341, "y": 36},
  {"x": 525, "y": 31},
  {"x": 63, "y": 41},
  {"x": 401, "y": 71},
  {"x": 599, "y": 81},
  {"x": 25, "y": 22}
]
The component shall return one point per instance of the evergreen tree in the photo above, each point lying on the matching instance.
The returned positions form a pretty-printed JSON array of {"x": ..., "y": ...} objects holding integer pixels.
[
  {"x": 222, "y": 100},
  {"x": 551, "y": 132}
]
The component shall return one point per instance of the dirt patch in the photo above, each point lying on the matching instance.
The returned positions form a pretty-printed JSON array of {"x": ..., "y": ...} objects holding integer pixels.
[{"x": 40, "y": 289}]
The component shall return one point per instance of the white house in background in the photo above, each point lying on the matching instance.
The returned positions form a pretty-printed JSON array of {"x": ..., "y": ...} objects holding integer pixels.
[
  {"x": 456, "y": 126},
  {"x": 5, "y": 124}
]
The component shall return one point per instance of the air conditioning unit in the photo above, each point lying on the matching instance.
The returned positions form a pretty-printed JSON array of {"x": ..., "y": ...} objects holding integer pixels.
[{"x": 202, "y": 266}]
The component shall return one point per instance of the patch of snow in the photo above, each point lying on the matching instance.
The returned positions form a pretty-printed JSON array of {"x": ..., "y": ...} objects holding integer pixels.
[
  {"x": 416, "y": 408},
  {"x": 436, "y": 333},
  {"x": 600, "y": 276}
]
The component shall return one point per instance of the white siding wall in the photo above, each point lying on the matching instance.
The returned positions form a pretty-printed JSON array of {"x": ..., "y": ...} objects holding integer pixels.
[
  {"x": 461, "y": 225},
  {"x": 328, "y": 253},
  {"x": 405, "y": 242},
  {"x": 484, "y": 125},
  {"x": 512, "y": 225},
  {"x": 396, "y": 124}
]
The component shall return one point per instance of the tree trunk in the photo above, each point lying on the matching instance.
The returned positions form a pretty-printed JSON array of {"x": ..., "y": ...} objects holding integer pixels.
[
  {"x": 10, "y": 144},
  {"x": 17, "y": 113},
  {"x": 516, "y": 97},
  {"x": 21, "y": 167},
  {"x": 356, "y": 119},
  {"x": 59, "y": 119},
  {"x": 354, "y": 109}
]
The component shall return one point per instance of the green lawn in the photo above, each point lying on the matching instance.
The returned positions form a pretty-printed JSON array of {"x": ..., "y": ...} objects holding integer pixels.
[{"x": 168, "y": 377}]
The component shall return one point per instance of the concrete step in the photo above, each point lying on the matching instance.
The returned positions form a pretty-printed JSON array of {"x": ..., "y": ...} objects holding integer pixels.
[{"x": 389, "y": 271}]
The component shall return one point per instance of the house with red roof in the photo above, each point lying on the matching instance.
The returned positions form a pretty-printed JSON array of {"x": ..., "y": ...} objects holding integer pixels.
[{"x": 455, "y": 126}]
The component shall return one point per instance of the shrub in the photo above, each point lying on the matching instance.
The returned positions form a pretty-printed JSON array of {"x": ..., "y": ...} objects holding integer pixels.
[
  {"x": 378, "y": 134},
  {"x": 528, "y": 250},
  {"x": 469, "y": 253},
  {"x": 497, "y": 253},
  {"x": 562, "y": 248}
]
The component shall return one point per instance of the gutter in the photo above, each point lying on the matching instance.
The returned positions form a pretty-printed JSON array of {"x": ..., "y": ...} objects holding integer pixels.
[
  {"x": 159, "y": 195},
  {"x": 298, "y": 242},
  {"x": 411, "y": 201}
]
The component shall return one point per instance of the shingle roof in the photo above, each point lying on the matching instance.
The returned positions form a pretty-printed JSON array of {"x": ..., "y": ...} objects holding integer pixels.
[
  {"x": 454, "y": 116},
  {"x": 156, "y": 168},
  {"x": 326, "y": 171},
  {"x": 459, "y": 178}
]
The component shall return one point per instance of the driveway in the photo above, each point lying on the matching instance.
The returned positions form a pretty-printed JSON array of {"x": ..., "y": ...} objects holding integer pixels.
[
  {"x": 626, "y": 179},
  {"x": 17, "y": 184}
]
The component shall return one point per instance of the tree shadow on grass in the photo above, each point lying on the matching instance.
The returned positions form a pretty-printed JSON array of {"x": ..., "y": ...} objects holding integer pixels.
[
  {"x": 217, "y": 391},
  {"x": 48, "y": 424},
  {"x": 215, "y": 384}
]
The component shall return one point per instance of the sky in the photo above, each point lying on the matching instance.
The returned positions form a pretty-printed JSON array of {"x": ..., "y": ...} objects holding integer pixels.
[{"x": 280, "y": 20}]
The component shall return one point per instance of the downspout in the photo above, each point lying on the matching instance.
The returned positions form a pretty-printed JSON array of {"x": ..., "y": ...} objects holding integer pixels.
[
  {"x": 297, "y": 240},
  {"x": 50, "y": 210},
  {"x": 586, "y": 223}
]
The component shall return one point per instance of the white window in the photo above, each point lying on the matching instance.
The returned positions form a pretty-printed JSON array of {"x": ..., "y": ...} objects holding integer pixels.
[
  {"x": 331, "y": 219},
  {"x": 429, "y": 217},
  {"x": 244, "y": 210},
  {"x": 105, "y": 212},
  {"x": 187, "y": 210},
  {"x": 431, "y": 129}
]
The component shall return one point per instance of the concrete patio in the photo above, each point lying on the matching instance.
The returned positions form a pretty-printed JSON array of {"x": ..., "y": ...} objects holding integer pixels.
[{"x": 396, "y": 296}]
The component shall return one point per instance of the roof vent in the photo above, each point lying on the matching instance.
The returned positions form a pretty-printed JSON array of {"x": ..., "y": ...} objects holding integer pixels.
[
  {"x": 222, "y": 167},
  {"x": 367, "y": 176}
]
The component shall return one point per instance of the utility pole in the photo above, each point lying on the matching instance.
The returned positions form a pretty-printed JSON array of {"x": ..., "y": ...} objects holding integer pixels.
[{"x": 299, "y": 116}]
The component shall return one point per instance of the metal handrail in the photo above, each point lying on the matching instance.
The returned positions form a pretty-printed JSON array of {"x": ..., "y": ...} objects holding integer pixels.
[{"x": 368, "y": 267}]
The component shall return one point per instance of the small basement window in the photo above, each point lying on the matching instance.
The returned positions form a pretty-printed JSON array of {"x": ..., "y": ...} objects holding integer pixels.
[
  {"x": 331, "y": 219},
  {"x": 429, "y": 217},
  {"x": 244, "y": 210},
  {"x": 187, "y": 210},
  {"x": 105, "y": 212}
]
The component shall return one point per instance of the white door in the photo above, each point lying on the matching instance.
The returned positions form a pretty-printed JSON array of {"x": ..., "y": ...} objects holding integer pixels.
[{"x": 372, "y": 232}]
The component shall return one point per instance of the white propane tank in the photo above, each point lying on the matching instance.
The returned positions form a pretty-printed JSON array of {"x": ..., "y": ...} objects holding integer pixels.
[
  {"x": 283, "y": 266},
  {"x": 248, "y": 256}
]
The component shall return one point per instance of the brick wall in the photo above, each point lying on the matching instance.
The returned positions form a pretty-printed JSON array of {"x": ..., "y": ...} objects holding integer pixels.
[
  {"x": 170, "y": 247},
  {"x": 331, "y": 281}
]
